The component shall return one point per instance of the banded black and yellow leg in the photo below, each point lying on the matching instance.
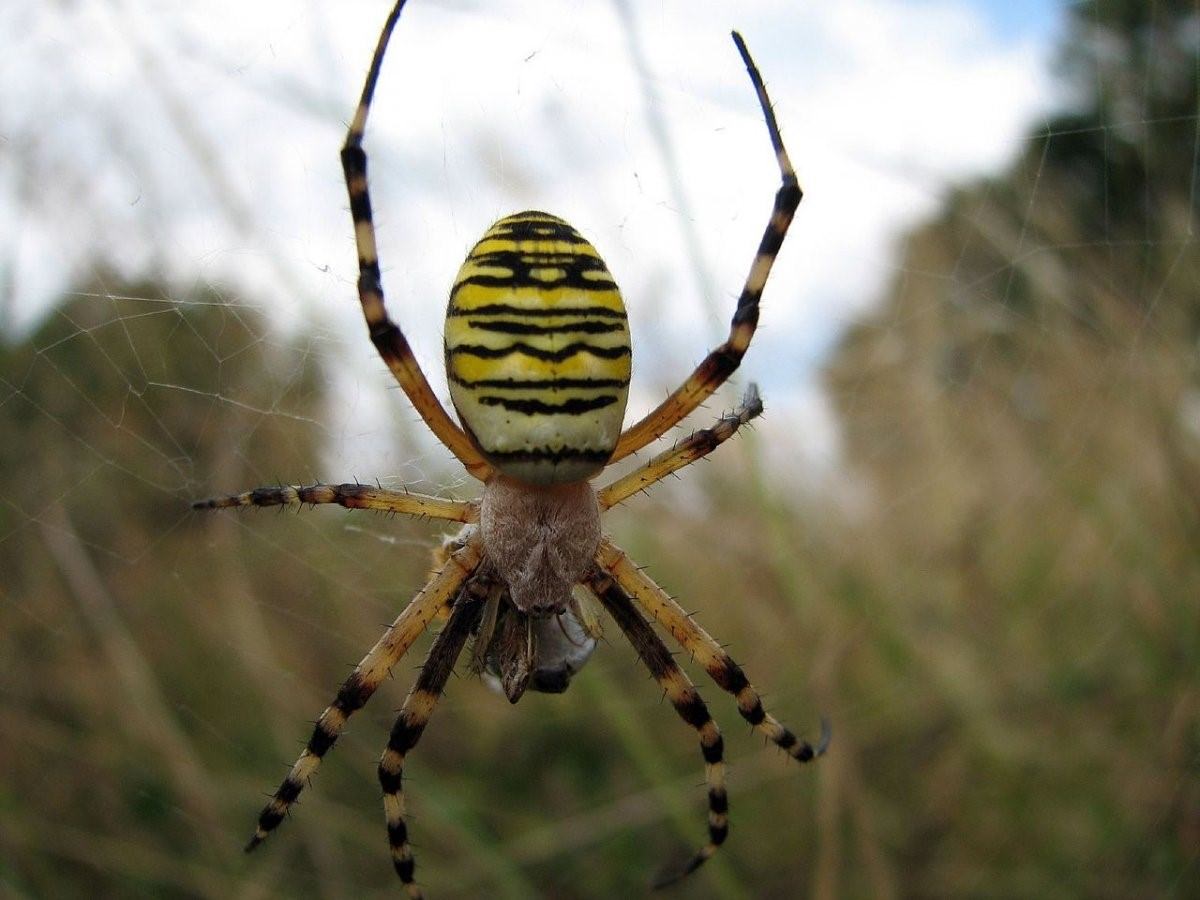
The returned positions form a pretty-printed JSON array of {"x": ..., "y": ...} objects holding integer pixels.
[
  {"x": 705, "y": 650},
  {"x": 351, "y": 496},
  {"x": 696, "y": 446},
  {"x": 414, "y": 716},
  {"x": 686, "y": 700},
  {"x": 389, "y": 340},
  {"x": 724, "y": 360},
  {"x": 357, "y": 689}
]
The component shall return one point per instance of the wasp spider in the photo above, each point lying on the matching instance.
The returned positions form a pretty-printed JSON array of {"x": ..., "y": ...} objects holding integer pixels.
[{"x": 538, "y": 360}]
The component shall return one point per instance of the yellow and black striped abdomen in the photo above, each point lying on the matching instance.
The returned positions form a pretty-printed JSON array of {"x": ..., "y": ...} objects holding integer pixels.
[{"x": 537, "y": 350}]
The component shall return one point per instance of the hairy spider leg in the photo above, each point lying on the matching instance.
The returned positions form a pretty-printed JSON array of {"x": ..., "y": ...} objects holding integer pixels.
[
  {"x": 720, "y": 667},
  {"x": 387, "y": 337},
  {"x": 695, "y": 446},
  {"x": 721, "y": 362},
  {"x": 414, "y": 716},
  {"x": 357, "y": 689},
  {"x": 351, "y": 496},
  {"x": 684, "y": 697}
]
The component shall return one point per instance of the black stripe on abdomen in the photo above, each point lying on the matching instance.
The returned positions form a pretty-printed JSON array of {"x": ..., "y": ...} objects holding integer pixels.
[
  {"x": 506, "y": 327},
  {"x": 542, "y": 312},
  {"x": 537, "y": 352},
  {"x": 573, "y": 407},
  {"x": 540, "y": 384}
]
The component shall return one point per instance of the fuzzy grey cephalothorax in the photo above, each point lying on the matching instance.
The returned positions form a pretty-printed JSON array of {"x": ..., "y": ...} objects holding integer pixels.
[{"x": 539, "y": 540}]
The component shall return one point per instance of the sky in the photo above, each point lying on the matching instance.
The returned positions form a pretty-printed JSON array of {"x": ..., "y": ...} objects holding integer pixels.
[
  {"x": 1021, "y": 19},
  {"x": 201, "y": 140}
]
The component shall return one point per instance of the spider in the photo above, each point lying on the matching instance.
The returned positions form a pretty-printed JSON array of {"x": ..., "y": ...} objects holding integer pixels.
[{"x": 538, "y": 361}]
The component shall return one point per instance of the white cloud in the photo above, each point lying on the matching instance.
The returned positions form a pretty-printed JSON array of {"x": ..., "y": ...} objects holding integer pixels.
[{"x": 484, "y": 108}]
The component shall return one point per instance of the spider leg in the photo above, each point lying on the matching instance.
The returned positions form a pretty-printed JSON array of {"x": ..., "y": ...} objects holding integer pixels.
[
  {"x": 696, "y": 446},
  {"x": 357, "y": 689},
  {"x": 389, "y": 340},
  {"x": 351, "y": 496},
  {"x": 414, "y": 716},
  {"x": 704, "y": 649},
  {"x": 721, "y": 362},
  {"x": 683, "y": 696}
]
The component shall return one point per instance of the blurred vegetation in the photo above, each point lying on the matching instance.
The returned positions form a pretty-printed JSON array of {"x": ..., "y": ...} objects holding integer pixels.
[
  {"x": 997, "y": 606},
  {"x": 1025, "y": 409}
]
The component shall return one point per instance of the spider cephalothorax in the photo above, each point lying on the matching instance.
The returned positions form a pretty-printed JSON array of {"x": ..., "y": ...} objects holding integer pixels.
[
  {"x": 538, "y": 360},
  {"x": 540, "y": 540}
]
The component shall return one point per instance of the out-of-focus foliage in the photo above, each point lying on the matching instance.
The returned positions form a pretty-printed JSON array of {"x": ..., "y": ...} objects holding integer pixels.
[
  {"x": 158, "y": 664},
  {"x": 1000, "y": 616},
  {"x": 1025, "y": 411}
]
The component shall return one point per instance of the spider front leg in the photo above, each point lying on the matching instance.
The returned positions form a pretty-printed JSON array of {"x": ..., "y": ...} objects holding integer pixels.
[
  {"x": 351, "y": 496},
  {"x": 686, "y": 700},
  {"x": 357, "y": 689},
  {"x": 721, "y": 362},
  {"x": 414, "y": 716},
  {"x": 696, "y": 446},
  {"x": 387, "y": 337},
  {"x": 704, "y": 649}
]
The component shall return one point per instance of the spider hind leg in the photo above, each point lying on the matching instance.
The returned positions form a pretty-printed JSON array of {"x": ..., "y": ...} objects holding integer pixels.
[
  {"x": 442, "y": 587},
  {"x": 719, "y": 665},
  {"x": 415, "y": 715},
  {"x": 691, "y": 708}
]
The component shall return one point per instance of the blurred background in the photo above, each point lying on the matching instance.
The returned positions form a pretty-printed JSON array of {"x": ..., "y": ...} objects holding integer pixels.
[{"x": 967, "y": 529}]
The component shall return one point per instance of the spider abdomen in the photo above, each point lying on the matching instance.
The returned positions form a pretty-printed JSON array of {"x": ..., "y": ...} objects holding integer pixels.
[{"x": 537, "y": 350}]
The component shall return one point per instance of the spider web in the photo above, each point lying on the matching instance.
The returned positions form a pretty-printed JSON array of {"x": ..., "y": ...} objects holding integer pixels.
[{"x": 966, "y": 528}]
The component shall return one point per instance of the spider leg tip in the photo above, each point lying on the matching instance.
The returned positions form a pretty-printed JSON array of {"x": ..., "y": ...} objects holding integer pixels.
[
  {"x": 675, "y": 872},
  {"x": 826, "y": 737}
]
